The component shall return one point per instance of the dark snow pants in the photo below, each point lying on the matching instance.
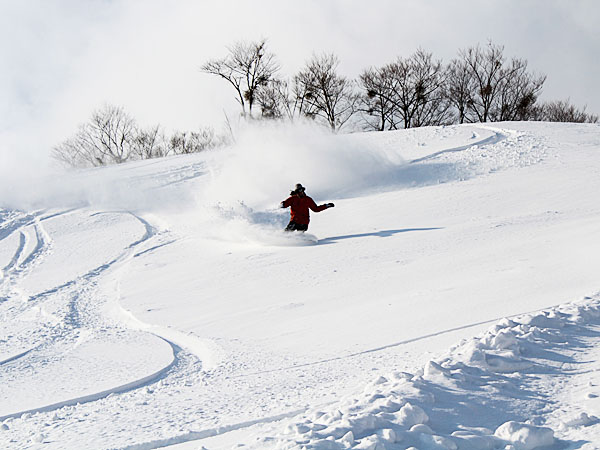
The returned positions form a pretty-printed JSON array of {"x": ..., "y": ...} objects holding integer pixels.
[{"x": 293, "y": 226}]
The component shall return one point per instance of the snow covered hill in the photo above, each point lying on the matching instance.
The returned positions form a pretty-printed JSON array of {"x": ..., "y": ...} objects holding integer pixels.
[{"x": 449, "y": 300}]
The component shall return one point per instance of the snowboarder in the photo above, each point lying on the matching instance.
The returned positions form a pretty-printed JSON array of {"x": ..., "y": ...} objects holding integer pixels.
[{"x": 300, "y": 203}]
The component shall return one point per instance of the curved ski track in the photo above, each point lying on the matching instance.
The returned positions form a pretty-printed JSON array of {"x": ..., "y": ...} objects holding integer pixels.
[{"x": 81, "y": 309}]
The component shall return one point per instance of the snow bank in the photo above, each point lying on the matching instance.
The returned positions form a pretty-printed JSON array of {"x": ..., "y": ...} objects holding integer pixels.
[{"x": 476, "y": 397}]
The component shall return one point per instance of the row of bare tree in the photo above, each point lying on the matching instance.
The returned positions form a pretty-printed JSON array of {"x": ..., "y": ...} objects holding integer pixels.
[
  {"x": 112, "y": 136},
  {"x": 479, "y": 85}
]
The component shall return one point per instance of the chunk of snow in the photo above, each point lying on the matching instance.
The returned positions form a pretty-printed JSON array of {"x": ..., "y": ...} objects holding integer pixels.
[
  {"x": 403, "y": 376},
  {"x": 366, "y": 423},
  {"x": 468, "y": 440},
  {"x": 438, "y": 442},
  {"x": 421, "y": 428},
  {"x": 433, "y": 369},
  {"x": 504, "y": 339},
  {"x": 348, "y": 439},
  {"x": 387, "y": 435},
  {"x": 410, "y": 415},
  {"x": 524, "y": 436},
  {"x": 380, "y": 380}
]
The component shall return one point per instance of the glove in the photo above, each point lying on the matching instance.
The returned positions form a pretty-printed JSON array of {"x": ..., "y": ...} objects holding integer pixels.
[{"x": 329, "y": 205}]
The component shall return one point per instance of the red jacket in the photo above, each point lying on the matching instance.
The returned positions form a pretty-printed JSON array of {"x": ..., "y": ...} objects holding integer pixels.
[{"x": 300, "y": 206}]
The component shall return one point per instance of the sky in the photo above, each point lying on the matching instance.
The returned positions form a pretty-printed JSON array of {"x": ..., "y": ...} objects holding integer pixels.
[{"x": 62, "y": 59}]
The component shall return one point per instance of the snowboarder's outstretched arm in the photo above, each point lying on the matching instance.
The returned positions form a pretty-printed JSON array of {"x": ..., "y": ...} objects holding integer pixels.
[
  {"x": 313, "y": 206},
  {"x": 286, "y": 203}
]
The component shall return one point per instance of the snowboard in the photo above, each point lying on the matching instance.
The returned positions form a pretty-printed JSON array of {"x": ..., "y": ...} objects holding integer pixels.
[{"x": 282, "y": 238}]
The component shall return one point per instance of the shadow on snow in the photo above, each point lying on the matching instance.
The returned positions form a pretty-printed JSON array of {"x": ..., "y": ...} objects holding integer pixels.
[{"x": 383, "y": 233}]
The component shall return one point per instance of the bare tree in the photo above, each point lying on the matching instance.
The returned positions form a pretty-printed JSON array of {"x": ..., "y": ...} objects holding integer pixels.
[
  {"x": 484, "y": 87},
  {"x": 247, "y": 67},
  {"x": 407, "y": 93},
  {"x": 321, "y": 93},
  {"x": 518, "y": 92},
  {"x": 182, "y": 143},
  {"x": 565, "y": 111},
  {"x": 150, "y": 143},
  {"x": 431, "y": 106},
  {"x": 376, "y": 104},
  {"x": 459, "y": 86},
  {"x": 107, "y": 138},
  {"x": 114, "y": 129},
  {"x": 277, "y": 101},
  {"x": 272, "y": 98},
  {"x": 402, "y": 92},
  {"x": 485, "y": 66},
  {"x": 112, "y": 137},
  {"x": 73, "y": 152}
]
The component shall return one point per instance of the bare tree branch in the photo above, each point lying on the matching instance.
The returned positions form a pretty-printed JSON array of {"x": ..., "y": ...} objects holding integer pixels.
[
  {"x": 247, "y": 67},
  {"x": 565, "y": 111},
  {"x": 321, "y": 93},
  {"x": 407, "y": 93}
]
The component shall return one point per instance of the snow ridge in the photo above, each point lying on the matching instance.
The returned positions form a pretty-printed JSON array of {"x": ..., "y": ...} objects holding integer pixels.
[{"x": 478, "y": 396}]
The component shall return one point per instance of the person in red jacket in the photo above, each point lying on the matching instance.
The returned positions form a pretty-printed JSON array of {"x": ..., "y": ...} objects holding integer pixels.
[{"x": 300, "y": 203}]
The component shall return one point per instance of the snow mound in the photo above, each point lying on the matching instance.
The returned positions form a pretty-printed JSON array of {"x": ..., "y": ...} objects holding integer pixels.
[
  {"x": 524, "y": 436},
  {"x": 449, "y": 403}
]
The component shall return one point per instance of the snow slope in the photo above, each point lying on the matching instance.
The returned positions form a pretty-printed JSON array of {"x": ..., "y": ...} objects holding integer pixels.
[{"x": 159, "y": 304}]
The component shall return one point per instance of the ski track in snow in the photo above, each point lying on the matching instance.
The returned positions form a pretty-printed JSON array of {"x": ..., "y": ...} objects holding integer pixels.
[
  {"x": 20, "y": 224},
  {"x": 15, "y": 221},
  {"x": 497, "y": 137},
  {"x": 152, "y": 378},
  {"x": 197, "y": 435},
  {"x": 30, "y": 251},
  {"x": 15, "y": 357},
  {"x": 6, "y": 271},
  {"x": 384, "y": 347},
  {"x": 42, "y": 245},
  {"x": 79, "y": 313}
]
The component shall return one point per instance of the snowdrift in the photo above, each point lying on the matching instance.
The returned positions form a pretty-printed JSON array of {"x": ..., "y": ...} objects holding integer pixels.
[{"x": 481, "y": 395}]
